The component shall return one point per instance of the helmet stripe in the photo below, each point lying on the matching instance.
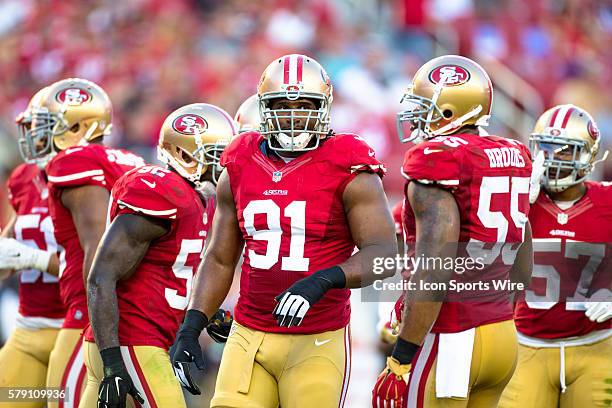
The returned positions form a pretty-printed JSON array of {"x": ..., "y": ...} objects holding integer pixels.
[
  {"x": 566, "y": 118},
  {"x": 292, "y": 69},
  {"x": 286, "y": 70},
  {"x": 300, "y": 65},
  {"x": 553, "y": 117}
]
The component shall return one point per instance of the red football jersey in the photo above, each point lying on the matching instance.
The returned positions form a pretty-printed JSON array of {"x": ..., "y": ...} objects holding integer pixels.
[
  {"x": 572, "y": 259},
  {"x": 153, "y": 300},
  {"x": 92, "y": 164},
  {"x": 38, "y": 291},
  {"x": 293, "y": 223},
  {"x": 489, "y": 178}
]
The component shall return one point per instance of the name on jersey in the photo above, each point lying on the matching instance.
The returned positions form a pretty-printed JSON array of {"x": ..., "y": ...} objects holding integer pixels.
[
  {"x": 275, "y": 192},
  {"x": 505, "y": 157}
]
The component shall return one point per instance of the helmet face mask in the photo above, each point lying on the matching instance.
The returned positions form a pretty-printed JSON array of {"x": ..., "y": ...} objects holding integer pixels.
[
  {"x": 293, "y": 128},
  {"x": 290, "y": 129}
]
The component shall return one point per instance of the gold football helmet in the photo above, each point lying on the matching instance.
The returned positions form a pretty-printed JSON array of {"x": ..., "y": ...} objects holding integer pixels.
[
  {"x": 294, "y": 77},
  {"x": 247, "y": 115},
  {"x": 192, "y": 139},
  {"x": 24, "y": 124},
  {"x": 446, "y": 94},
  {"x": 569, "y": 138},
  {"x": 70, "y": 112}
]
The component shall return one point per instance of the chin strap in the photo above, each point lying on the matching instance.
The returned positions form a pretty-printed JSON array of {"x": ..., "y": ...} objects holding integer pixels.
[
  {"x": 460, "y": 120},
  {"x": 605, "y": 156}
]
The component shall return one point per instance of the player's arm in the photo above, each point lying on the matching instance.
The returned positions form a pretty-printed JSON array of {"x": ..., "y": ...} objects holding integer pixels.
[
  {"x": 88, "y": 206},
  {"x": 212, "y": 283},
  {"x": 121, "y": 249},
  {"x": 437, "y": 227},
  {"x": 16, "y": 256},
  {"x": 373, "y": 231},
  {"x": 523, "y": 263}
]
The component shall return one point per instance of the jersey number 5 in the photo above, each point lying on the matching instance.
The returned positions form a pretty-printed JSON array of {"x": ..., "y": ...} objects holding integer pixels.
[
  {"x": 296, "y": 212},
  {"x": 182, "y": 271}
]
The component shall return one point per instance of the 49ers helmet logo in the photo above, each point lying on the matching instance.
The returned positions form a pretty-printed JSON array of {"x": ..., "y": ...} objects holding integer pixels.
[
  {"x": 450, "y": 75},
  {"x": 186, "y": 124},
  {"x": 73, "y": 96},
  {"x": 593, "y": 130}
]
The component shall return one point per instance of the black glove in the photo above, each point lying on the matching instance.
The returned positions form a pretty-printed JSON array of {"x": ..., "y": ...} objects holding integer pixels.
[
  {"x": 186, "y": 349},
  {"x": 295, "y": 301},
  {"x": 219, "y": 326},
  {"x": 116, "y": 384}
]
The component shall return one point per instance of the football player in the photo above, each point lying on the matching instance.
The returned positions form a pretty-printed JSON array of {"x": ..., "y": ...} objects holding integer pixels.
[
  {"x": 68, "y": 127},
  {"x": 247, "y": 115},
  {"x": 140, "y": 281},
  {"x": 300, "y": 198},
  {"x": 565, "y": 331},
  {"x": 458, "y": 349},
  {"x": 28, "y": 246}
]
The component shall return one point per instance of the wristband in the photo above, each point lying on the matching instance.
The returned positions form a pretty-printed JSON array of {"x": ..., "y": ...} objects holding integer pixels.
[
  {"x": 333, "y": 277},
  {"x": 112, "y": 360},
  {"x": 194, "y": 320},
  {"x": 404, "y": 351}
]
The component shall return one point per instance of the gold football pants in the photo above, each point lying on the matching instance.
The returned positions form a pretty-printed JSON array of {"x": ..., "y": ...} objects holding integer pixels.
[
  {"x": 263, "y": 370},
  {"x": 493, "y": 361},
  {"x": 150, "y": 370},
  {"x": 24, "y": 360},
  {"x": 66, "y": 368},
  {"x": 537, "y": 380}
]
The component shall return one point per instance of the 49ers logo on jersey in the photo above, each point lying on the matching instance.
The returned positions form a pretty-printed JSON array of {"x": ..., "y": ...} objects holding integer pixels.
[
  {"x": 593, "y": 130},
  {"x": 449, "y": 75},
  {"x": 73, "y": 96},
  {"x": 187, "y": 124}
]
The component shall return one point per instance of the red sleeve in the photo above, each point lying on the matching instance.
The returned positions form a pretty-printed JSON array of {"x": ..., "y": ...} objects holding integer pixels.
[
  {"x": 433, "y": 163},
  {"x": 14, "y": 185},
  {"x": 397, "y": 217},
  {"x": 362, "y": 158},
  {"x": 237, "y": 147},
  {"x": 77, "y": 166},
  {"x": 145, "y": 193}
]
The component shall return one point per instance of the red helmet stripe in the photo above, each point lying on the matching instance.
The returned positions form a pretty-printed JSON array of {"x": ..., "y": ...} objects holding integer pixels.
[
  {"x": 554, "y": 116},
  {"x": 300, "y": 65},
  {"x": 566, "y": 118},
  {"x": 286, "y": 70}
]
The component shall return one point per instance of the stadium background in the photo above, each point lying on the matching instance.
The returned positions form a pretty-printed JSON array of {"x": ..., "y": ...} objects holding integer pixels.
[{"x": 155, "y": 55}]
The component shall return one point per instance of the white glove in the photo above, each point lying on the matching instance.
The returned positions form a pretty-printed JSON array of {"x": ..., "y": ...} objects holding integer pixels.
[
  {"x": 599, "y": 311},
  {"x": 537, "y": 171},
  {"x": 17, "y": 255}
]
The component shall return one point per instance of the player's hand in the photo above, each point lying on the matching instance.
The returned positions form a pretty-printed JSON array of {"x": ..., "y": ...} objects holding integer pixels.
[
  {"x": 391, "y": 385},
  {"x": 535, "y": 182},
  {"x": 16, "y": 255},
  {"x": 598, "y": 311},
  {"x": 219, "y": 326},
  {"x": 116, "y": 384},
  {"x": 293, "y": 304},
  {"x": 186, "y": 350}
]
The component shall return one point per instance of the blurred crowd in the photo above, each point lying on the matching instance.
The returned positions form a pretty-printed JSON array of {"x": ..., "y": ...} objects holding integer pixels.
[{"x": 155, "y": 55}]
